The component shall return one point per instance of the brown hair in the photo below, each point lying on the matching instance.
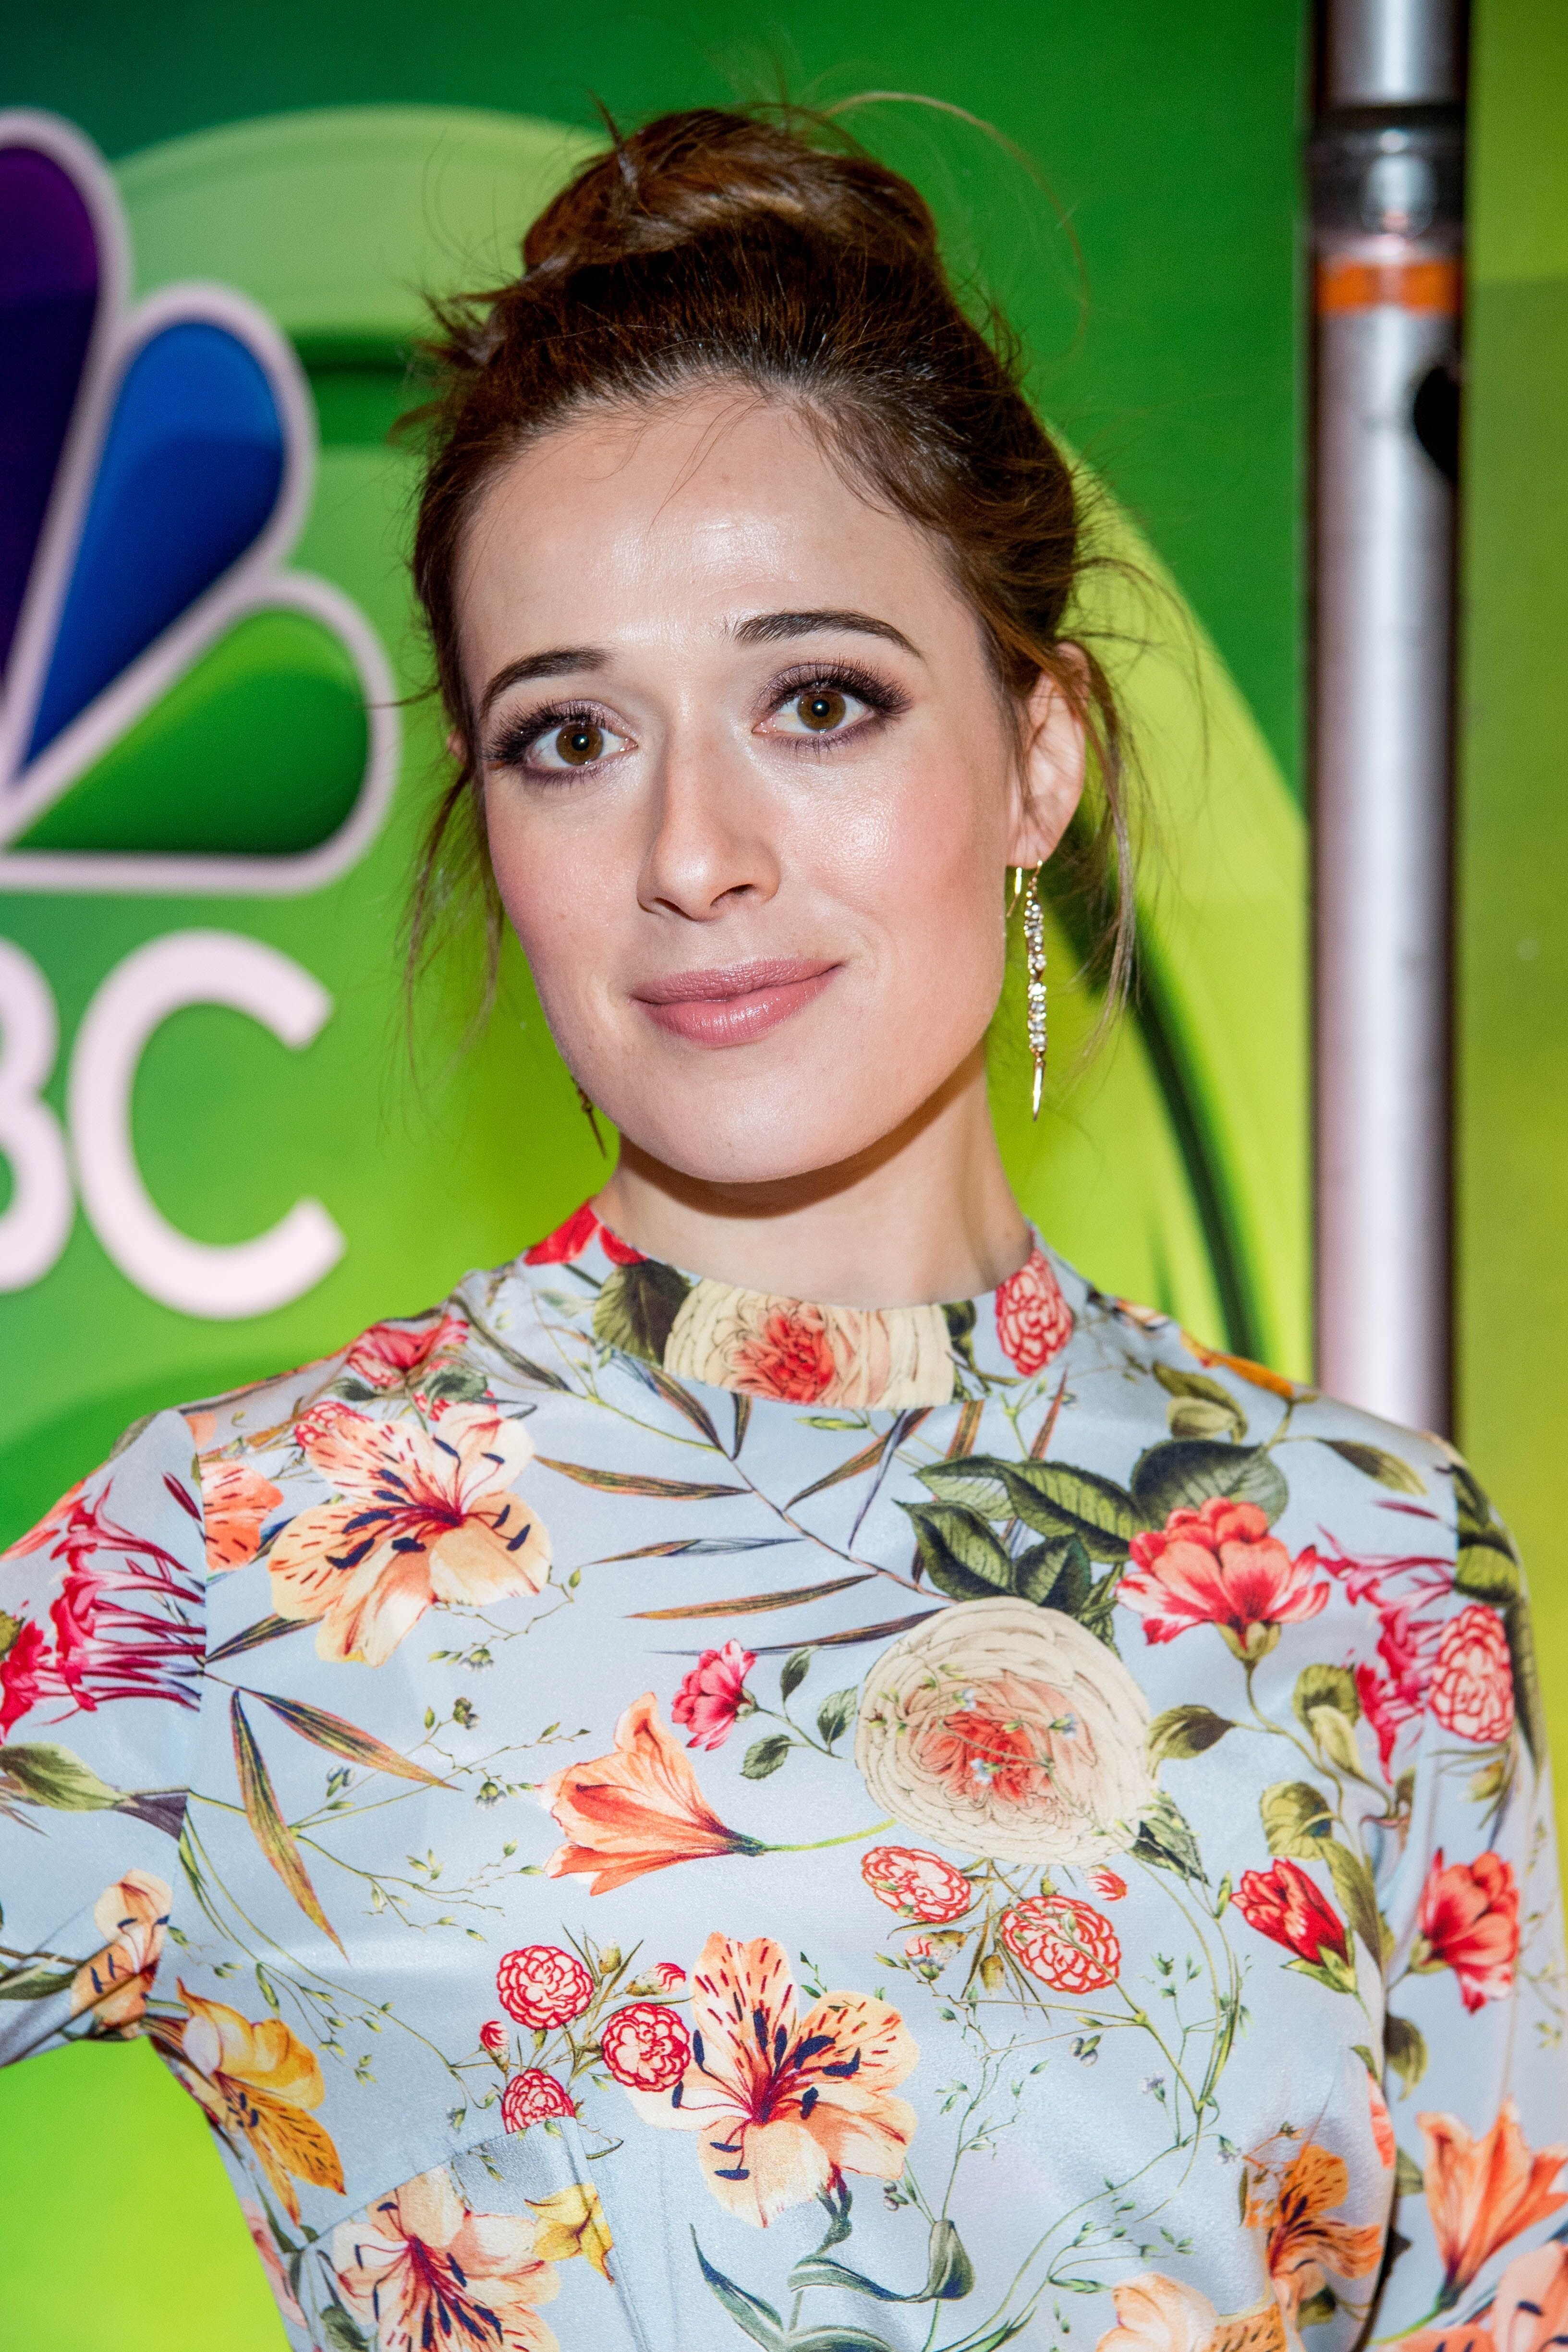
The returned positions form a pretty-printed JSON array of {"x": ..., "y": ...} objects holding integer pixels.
[{"x": 767, "y": 249}]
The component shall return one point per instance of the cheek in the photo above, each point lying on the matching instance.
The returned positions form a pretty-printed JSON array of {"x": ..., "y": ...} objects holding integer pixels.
[{"x": 923, "y": 862}]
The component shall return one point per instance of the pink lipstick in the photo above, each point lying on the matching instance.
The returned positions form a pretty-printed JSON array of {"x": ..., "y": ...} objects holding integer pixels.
[{"x": 734, "y": 1004}]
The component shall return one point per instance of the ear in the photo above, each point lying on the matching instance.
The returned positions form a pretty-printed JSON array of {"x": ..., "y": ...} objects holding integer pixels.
[{"x": 1051, "y": 771}]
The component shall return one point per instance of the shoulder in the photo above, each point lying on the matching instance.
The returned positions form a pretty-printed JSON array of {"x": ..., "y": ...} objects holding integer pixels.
[{"x": 1328, "y": 1454}]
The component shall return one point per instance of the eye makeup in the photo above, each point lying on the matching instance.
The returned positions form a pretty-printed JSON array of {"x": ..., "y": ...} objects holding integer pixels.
[{"x": 587, "y": 736}]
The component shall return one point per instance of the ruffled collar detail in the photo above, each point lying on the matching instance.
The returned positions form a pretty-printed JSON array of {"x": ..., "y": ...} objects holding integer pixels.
[{"x": 797, "y": 1353}]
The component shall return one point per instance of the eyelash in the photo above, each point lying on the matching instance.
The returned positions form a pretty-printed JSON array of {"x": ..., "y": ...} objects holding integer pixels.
[
  {"x": 518, "y": 737},
  {"x": 883, "y": 699}
]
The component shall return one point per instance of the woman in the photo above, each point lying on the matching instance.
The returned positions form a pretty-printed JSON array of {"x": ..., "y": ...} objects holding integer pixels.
[{"x": 1098, "y": 1877}]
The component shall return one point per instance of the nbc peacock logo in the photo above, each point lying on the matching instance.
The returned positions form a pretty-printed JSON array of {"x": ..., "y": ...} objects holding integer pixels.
[{"x": 180, "y": 712}]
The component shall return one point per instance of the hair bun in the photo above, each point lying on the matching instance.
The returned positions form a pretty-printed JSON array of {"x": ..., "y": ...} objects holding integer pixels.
[{"x": 690, "y": 174}]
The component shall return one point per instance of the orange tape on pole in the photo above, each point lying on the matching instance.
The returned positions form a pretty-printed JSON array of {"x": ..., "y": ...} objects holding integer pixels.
[{"x": 1434, "y": 288}]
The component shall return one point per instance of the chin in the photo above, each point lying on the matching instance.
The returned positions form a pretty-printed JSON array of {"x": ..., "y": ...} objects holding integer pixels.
[{"x": 747, "y": 1151}]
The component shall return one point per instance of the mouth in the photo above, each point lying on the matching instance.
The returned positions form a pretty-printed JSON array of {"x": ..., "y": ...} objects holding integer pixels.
[{"x": 734, "y": 1003}]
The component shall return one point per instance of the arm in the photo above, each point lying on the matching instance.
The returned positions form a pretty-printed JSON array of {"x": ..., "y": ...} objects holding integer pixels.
[
  {"x": 1478, "y": 2072},
  {"x": 102, "y": 1646}
]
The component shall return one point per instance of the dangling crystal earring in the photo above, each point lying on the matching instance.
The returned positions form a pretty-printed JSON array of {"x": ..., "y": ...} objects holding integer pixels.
[{"x": 1035, "y": 969}]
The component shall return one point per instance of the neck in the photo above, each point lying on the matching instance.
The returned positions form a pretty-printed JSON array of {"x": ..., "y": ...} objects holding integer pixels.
[{"x": 925, "y": 1214}]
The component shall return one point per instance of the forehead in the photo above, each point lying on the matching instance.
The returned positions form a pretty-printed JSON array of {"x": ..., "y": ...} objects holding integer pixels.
[{"x": 649, "y": 524}]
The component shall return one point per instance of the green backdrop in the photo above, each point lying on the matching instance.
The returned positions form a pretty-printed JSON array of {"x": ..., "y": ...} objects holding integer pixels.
[{"x": 332, "y": 162}]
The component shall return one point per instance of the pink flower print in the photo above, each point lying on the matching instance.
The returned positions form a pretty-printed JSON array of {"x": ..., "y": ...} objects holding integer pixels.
[
  {"x": 917, "y": 1947},
  {"x": 265, "y": 2245},
  {"x": 494, "y": 2037},
  {"x": 388, "y": 1353},
  {"x": 1472, "y": 1680},
  {"x": 541, "y": 1985},
  {"x": 1468, "y": 1920},
  {"x": 1034, "y": 1321},
  {"x": 1381, "y": 2123},
  {"x": 569, "y": 1241},
  {"x": 1107, "y": 1884},
  {"x": 1064, "y": 1942},
  {"x": 715, "y": 1694},
  {"x": 532, "y": 2097},
  {"x": 790, "y": 1357},
  {"x": 22, "y": 1671},
  {"x": 646, "y": 2046},
  {"x": 916, "y": 1884},
  {"x": 1219, "y": 1565},
  {"x": 670, "y": 1975}
]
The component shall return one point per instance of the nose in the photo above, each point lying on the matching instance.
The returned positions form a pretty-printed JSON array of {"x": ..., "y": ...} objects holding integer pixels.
[{"x": 711, "y": 847}]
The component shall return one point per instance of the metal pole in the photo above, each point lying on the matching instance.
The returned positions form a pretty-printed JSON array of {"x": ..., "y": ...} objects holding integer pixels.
[{"x": 1386, "y": 171}]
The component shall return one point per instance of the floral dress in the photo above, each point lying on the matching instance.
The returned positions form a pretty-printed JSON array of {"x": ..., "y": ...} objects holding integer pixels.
[{"x": 653, "y": 1818}]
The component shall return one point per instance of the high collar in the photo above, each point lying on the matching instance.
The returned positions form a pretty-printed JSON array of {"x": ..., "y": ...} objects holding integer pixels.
[{"x": 798, "y": 1351}]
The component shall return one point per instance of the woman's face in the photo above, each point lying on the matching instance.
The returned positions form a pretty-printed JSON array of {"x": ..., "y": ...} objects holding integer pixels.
[{"x": 751, "y": 788}]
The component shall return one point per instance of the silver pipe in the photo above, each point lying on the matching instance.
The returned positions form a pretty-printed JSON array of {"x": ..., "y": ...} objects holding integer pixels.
[{"x": 1386, "y": 165}]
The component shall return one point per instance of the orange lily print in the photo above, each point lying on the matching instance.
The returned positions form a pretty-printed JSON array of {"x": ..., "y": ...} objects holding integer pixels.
[
  {"x": 1303, "y": 2246},
  {"x": 637, "y": 1810},
  {"x": 1154, "y": 2313},
  {"x": 1482, "y": 2192},
  {"x": 423, "y": 2269},
  {"x": 236, "y": 1500},
  {"x": 258, "y": 2084},
  {"x": 115, "y": 1984},
  {"x": 785, "y": 2105},
  {"x": 425, "y": 1515},
  {"x": 1529, "y": 2312}
]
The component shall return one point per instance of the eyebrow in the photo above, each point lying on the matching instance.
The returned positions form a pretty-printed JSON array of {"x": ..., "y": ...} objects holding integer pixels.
[
  {"x": 758, "y": 629},
  {"x": 770, "y": 628},
  {"x": 553, "y": 664}
]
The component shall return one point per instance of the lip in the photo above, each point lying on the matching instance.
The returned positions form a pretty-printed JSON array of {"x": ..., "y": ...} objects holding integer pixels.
[{"x": 731, "y": 1004}]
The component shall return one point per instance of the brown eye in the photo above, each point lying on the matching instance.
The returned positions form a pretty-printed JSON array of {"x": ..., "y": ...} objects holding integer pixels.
[
  {"x": 821, "y": 708},
  {"x": 579, "y": 744}
]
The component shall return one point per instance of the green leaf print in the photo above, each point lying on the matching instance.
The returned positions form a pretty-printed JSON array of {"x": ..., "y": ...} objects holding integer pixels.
[
  {"x": 1321, "y": 1685},
  {"x": 1406, "y": 2048},
  {"x": 1484, "y": 1571},
  {"x": 1185, "y": 1474},
  {"x": 961, "y": 1555},
  {"x": 1295, "y": 1820},
  {"x": 765, "y": 1756},
  {"x": 1183, "y": 1732},
  {"x": 1054, "y": 1500},
  {"x": 44, "y": 1773},
  {"x": 950, "y": 2274},
  {"x": 977, "y": 1481},
  {"x": 623, "y": 1482},
  {"x": 340, "y": 1738},
  {"x": 34, "y": 1980},
  {"x": 251, "y": 1637},
  {"x": 1358, "y": 1896},
  {"x": 1201, "y": 1407},
  {"x": 1055, "y": 1574},
  {"x": 1526, "y": 1679},
  {"x": 794, "y": 1672},
  {"x": 268, "y": 1828},
  {"x": 836, "y": 1713},
  {"x": 759, "y": 2319},
  {"x": 1388, "y": 1469},
  {"x": 1166, "y": 1839},
  {"x": 637, "y": 1308},
  {"x": 752, "y": 1604}
]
